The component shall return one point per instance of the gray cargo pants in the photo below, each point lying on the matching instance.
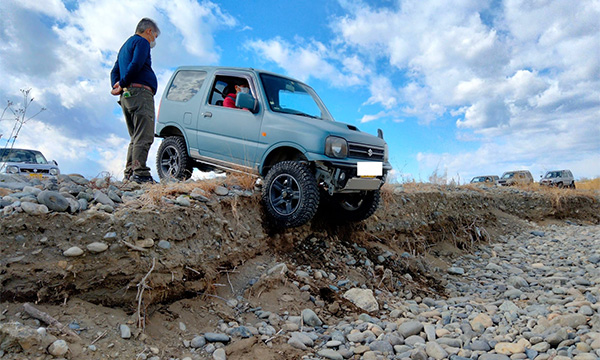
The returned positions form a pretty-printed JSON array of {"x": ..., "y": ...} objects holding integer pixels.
[{"x": 138, "y": 109}]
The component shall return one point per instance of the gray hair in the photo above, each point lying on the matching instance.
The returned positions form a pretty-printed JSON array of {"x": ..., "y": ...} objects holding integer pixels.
[{"x": 147, "y": 23}]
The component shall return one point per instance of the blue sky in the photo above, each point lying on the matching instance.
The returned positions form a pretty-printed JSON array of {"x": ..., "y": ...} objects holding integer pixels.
[{"x": 465, "y": 87}]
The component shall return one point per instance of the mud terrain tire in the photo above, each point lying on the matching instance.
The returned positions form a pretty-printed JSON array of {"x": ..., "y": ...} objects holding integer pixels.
[
  {"x": 353, "y": 207},
  {"x": 290, "y": 194},
  {"x": 172, "y": 160}
]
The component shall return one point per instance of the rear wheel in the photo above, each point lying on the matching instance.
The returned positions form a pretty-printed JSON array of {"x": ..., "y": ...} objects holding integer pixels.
[
  {"x": 290, "y": 194},
  {"x": 354, "y": 207},
  {"x": 172, "y": 160},
  {"x": 560, "y": 185}
]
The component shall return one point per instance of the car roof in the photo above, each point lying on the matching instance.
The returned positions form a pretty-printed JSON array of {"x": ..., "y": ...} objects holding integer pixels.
[{"x": 232, "y": 68}]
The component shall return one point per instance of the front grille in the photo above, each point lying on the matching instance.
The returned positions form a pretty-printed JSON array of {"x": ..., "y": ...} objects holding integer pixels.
[
  {"x": 34, "y": 171},
  {"x": 362, "y": 151}
]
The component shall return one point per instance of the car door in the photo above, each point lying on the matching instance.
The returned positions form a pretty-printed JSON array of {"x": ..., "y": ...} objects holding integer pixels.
[{"x": 229, "y": 135}]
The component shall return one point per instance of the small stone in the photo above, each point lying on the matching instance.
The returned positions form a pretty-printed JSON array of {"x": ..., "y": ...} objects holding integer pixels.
[
  {"x": 333, "y": 343},
  {"x": 103, "y": 199},
  {"x": 310, "y": 318},
  {"x": 164, "y": 244},
  {"x": 146, "y": 243},
  {"x": 219, "y": 354},
  {"x": 34, "y": 209},
  {"x": 216, "y": 337},
  {"x": 73, "y": 251},
  {"x": 97, "y": 247},
  {"x": 198, "y": 342},
  {"x": 410, "y": 328},
  {"x": 53, "y": 200},
  {"x": 512, "y": 348},
  {"x": 382, "y": 346},
  {"x": 221, "y": 191},
  {"x": 363, "y": 298},
  {"x": 435, "y": 350},
  {"x": 58, "y": 348},
  {"x": 456, "y": 270},
  {"x": 183, "y": 200},
  {"x": 110, "y": 235},
  {"x": 330, "y": 354},
  {"x": 125, "y": 331}
]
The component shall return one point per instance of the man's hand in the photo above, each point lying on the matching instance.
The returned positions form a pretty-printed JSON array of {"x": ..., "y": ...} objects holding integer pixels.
[{"x": 117, "y": 90}]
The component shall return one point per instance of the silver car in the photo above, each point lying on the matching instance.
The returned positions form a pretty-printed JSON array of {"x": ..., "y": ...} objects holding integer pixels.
[
  {"x": 558, "y": 178},
  {"x": 485, "y": 179},
  {"x": 27, "y": 162}
]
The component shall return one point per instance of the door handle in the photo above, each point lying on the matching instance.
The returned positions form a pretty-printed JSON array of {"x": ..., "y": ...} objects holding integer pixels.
[{"x": 207, "y": 114}]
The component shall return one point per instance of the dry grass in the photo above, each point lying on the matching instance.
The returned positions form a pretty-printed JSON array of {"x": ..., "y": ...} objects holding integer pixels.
[
  {"x": 244, "y": 180},
  {"x": 588, "y": 184},
  {"x": 157, "y": 191}
]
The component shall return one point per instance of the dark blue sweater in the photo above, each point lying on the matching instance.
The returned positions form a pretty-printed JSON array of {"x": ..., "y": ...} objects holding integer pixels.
[{"x": 134, "y": 64}]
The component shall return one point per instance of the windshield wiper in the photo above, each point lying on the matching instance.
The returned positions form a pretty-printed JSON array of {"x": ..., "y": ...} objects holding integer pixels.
[{"x": 296, "y": 112}]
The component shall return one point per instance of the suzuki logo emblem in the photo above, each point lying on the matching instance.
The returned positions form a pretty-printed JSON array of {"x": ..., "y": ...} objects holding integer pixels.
[
  {"x": 370, "y": 152},
  {"x": 35, "y": 170}
]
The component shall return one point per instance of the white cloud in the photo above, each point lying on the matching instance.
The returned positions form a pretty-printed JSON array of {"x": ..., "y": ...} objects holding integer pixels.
[
  {"x": 65, "y": 56},
  {"x": 309, "y": 60}
]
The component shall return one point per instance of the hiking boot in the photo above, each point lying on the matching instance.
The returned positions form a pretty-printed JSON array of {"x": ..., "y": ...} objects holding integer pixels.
[{"x": 143, "y": 179}]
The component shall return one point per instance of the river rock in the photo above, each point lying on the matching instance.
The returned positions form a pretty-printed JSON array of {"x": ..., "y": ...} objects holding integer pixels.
[
  {"x": 73, "y": 251},
  {"x": 34, "y": 209},
  {"x": 363, "y": 298},
  {"x": 53, "y": 200},
  {"x": 97, "y": 247},
  {"x": 58, "y": 348},
  {"x": 310, "y": 318}
]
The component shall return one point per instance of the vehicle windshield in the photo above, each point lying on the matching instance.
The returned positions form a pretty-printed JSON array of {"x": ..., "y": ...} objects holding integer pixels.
[
  {"x": 22, "y": 156},
  {"x": 478, "y": 179},
  {"x": 293, "y": 97},
  {"x": 508, "y": 175},
  {"x": 552, "y": 174}
]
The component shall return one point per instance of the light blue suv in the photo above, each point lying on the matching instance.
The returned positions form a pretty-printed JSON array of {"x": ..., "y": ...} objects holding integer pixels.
[{"x": 279, "y": 130}]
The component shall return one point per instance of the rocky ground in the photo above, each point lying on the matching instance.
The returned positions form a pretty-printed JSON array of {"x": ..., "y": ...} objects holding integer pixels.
[{"x": 194, "y": 271}]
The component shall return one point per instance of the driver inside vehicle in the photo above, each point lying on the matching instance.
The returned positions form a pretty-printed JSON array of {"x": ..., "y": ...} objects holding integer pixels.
[{"x": 241, "y": 86}]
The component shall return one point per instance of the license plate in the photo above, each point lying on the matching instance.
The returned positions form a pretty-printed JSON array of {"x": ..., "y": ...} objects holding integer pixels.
[
  {"x": 36, "y": 176},
  {"x": 369, "y": 169}
]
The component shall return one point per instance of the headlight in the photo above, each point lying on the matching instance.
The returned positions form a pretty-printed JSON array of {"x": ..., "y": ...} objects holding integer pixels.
[
  {"x": 336, "y": 147},
  {"x": 54, "y": 171},
  {"x": 12, "y": 169},
  {"x": 386, "y": 153}
]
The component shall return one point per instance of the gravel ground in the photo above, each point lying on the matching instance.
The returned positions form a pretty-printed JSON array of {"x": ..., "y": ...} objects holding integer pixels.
[{"x": 530, "y": 296}]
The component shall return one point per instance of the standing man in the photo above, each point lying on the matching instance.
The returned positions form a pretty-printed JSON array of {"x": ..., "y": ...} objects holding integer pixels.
[{"x": 133, "y": 79}]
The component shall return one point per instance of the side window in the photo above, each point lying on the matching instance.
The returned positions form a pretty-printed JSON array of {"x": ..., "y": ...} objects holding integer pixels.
[
  {"x": 223, "y": 86},
  {"x": 185, "y": 85}
]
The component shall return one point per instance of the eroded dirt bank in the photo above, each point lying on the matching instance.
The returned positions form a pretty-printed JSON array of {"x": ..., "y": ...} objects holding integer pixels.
[{"x": 212, "y": 260}]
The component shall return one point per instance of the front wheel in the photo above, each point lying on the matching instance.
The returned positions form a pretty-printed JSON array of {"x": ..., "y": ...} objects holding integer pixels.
[
  {"x": 290, "y": 194},
  {"x": 172, "y": 160},
  {"x": 354, "y": 207}
]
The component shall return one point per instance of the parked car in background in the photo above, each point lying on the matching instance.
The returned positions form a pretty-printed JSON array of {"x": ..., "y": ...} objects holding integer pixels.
[
  {"x": 516, "y": 177},
  {"x": 485, "y": 179},
  {"x": 558, "y": 178},
  {"x": 27, "y": 162}
]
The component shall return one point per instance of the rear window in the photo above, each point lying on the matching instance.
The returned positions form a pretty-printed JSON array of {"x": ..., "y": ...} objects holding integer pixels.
[{"x": 185, "y": 85}]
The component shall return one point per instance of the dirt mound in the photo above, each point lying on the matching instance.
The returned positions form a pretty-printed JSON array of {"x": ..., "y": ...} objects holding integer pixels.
[{"x": 212, "y": 261}]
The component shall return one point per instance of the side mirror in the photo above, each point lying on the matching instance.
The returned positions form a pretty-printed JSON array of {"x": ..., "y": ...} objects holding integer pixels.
[
  {"x": 54, "y": 162},
  {"x": 246, "y": 101}
]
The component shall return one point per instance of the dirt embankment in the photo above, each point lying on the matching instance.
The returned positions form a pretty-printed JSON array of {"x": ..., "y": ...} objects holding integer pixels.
[{"x": 222, "y": 249}]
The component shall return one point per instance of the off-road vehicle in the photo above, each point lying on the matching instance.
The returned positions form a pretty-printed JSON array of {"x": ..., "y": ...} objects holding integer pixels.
[
  {"x": 558, "y": 178},
  {"x": 485, "y": 179},
  {"x": 280, "y": 130},
  {"x": 517, "y": 177}
]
